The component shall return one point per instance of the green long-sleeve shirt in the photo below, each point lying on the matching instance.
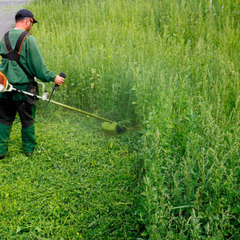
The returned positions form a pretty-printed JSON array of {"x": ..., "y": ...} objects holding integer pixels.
[{"x": 31, "y": 59}]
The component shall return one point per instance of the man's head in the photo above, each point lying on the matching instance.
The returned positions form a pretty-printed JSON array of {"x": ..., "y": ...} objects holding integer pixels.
[{"x": 24, "y": 19}]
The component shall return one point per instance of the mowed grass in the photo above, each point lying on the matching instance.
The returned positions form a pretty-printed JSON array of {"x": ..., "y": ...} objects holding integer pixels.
[{"x": 79, "y": 184}]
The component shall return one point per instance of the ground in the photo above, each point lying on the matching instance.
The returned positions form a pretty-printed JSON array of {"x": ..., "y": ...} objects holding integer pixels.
[{"x": 8, "y": 10}]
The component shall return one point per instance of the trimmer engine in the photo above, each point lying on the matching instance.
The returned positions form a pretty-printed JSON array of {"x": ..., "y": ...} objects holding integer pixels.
[{"x": 4, "y": 85}]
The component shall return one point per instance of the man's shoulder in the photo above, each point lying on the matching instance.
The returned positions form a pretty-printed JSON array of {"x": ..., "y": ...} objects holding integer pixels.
[
  {"x": 30, "y": 37},
  {"x": 15, "y": 32}
]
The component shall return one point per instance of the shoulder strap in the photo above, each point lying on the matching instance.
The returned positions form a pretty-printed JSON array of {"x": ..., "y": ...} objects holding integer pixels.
[
  {"x": 20, "y": 41},
  {"x": 7, "y": 42}
]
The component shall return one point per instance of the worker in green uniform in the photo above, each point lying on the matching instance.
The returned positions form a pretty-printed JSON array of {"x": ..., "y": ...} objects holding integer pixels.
[{"x": 33, "y": 66}]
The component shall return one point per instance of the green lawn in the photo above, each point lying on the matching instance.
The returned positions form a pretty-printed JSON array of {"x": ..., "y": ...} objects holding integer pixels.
[{"x": 80, "y": 183}]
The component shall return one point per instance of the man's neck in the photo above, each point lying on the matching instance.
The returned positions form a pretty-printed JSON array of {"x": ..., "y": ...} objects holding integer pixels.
[{"x": 19, "y": 26}]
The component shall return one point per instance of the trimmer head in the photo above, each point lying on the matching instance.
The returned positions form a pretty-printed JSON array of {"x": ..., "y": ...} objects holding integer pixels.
[{"x": 112, "y": 127}]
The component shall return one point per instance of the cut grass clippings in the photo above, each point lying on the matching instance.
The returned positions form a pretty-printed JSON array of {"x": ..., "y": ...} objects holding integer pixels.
[{"x": 79, "y": 184}]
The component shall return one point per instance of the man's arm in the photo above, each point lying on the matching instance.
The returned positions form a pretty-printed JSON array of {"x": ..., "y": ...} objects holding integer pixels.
[{"x": 35, "y": 61}]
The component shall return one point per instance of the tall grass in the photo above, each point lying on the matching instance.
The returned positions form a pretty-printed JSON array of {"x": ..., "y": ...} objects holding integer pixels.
[{"x": 173, "y": 68}]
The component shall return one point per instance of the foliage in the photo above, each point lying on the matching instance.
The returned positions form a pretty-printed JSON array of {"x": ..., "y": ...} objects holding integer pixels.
[
  {"x": 172, "y": 68},
  {"x": 190, "y": 114}
]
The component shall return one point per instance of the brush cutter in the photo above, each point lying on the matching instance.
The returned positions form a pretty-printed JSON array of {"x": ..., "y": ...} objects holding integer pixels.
[{"x": 108, "y": 125}]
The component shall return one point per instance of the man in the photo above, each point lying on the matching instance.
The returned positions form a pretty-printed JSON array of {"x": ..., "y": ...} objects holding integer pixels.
[{"x": 32, "y": 65}]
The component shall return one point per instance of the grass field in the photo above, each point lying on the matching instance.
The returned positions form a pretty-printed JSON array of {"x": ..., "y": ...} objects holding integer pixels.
[
  {"x": 169, "y": 71},
  {"x": 79, "y": 184}
]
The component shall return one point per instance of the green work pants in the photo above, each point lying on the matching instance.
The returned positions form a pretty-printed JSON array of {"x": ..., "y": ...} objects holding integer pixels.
[{"x": 8, "y": 110}]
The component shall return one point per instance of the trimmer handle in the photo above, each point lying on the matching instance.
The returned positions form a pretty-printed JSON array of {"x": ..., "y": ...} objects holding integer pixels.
[{"x": 61, "y": 74}]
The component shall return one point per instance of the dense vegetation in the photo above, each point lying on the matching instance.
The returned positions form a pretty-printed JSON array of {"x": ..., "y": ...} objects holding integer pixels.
[{"x": 169, "y": 68}]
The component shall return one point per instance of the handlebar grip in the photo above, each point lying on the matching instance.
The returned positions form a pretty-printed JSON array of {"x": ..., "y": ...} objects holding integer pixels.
[{"x": 61, "y": 74}]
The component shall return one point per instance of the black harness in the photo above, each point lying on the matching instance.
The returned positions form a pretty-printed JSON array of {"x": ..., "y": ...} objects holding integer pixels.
[{"x": 14, "y": 54}]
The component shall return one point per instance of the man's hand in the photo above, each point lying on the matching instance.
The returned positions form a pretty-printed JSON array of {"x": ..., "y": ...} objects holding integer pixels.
[{"x": 59, "y": 80}]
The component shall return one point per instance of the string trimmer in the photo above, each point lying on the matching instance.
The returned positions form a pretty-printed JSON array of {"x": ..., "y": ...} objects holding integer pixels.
[{"x": 108, "y": 125}]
